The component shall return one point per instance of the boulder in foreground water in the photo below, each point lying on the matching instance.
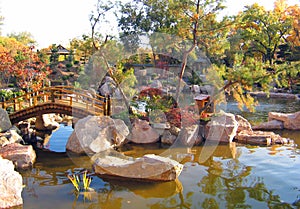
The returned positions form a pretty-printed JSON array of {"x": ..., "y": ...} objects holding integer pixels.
[
  {"x": 147, "y": 168},
  {"x": 10, "y": 185}
]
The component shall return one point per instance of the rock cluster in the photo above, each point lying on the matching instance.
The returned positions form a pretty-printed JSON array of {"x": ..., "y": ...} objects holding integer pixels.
[
  {"x": 10, "y": 147},
  {"x": 227, "y": 127}
]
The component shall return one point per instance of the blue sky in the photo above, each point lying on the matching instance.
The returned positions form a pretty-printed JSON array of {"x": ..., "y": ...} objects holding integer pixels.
[{"x": 58, "y": 21}]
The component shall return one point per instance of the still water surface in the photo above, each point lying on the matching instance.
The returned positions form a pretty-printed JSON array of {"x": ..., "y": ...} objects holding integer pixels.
[{"x": 232, "y": 177}]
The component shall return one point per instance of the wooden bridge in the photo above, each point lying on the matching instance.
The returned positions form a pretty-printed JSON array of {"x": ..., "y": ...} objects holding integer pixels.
[{"x": 58, "y": 99}]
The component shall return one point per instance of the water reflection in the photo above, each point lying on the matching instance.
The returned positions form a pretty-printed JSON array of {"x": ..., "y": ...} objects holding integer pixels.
[
  {"x": 233, "y": 177},
  {"x": 264, "y": 107}
]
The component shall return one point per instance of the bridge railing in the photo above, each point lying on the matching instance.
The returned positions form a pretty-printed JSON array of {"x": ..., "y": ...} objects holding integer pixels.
[{"x": 67, "y": 95}]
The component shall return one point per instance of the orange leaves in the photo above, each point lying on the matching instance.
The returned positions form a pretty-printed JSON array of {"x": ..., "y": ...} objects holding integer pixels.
[{"x": 18, "y": 61}]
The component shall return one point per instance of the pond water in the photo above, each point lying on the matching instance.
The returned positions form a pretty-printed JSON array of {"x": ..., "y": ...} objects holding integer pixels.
[{"x": 231, "y": 177}]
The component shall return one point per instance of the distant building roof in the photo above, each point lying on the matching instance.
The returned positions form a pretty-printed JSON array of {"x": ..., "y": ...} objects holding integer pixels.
[{"x": 61, "y": 50}]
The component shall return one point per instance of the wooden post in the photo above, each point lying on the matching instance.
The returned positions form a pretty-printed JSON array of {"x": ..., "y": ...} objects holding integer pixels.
[
  {"x": 15, "y": 103},
  {"x": 34, "y": 99},
  {"x": 52, "y": 96},
  {"x": 107, "y": 105},
  {"x": 3, "y": 102}
]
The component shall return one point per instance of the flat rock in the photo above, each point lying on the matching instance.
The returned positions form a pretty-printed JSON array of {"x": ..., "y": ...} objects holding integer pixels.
[
  {"x": 261, "y": 138},
  {"x": 147, "y": 168},
  {"x": 23, "y": 156},
  {"x": 290, "y": 121},
  {"x": 10, "y": 185},
  {"x": 269, "y": 125}
]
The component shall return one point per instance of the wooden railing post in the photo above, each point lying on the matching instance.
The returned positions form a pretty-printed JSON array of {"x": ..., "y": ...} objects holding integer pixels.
[
  {"x": 15, "y": 103},
  {"x": 52, "y": 96},
  {"x": 107, "y": 105},
  {"x": 3, "y": 102},
  {"x": 35, "y": 99}
]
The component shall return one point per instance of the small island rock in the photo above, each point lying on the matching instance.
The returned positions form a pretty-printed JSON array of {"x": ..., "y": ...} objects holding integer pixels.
[{"x": 150, "y": 167}]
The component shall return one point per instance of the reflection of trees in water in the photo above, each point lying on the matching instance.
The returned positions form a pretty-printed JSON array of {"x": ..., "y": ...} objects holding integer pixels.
[
  {"x": 230, "y": 181},
  {"x": 227, "y": 184},
  {"x": 223, "y": 182}
]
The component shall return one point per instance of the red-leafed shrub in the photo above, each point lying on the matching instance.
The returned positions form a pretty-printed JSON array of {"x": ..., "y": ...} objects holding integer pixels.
[
  {"x": 150, "y": 92},
  {"x": 181, "y": 117}
]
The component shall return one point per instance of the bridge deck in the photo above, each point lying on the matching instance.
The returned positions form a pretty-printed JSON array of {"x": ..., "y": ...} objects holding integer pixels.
[{"x": 58, "y": 99}]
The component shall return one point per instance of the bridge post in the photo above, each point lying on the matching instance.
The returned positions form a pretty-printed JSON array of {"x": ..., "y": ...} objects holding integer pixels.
[
  {"x": 107, "y": 105},
  {"x": 3, "y": 102},
  {"x": 15, "y": 102},
  {"x": 52, "y": 96}
]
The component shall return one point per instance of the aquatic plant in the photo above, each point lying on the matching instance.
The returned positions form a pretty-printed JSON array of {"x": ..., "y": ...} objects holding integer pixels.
[{"x": 79, "y": 185}]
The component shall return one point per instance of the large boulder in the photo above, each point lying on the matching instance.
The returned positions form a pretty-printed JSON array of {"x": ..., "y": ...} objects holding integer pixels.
[
  {"x": 10, "y": 185},
  {"x": 143, "y": 133},
  {"x": 94, "y": 134},
  {"x": 147, "y": 168},
  {"x": 189, "y": 136},
  {"x": 221, "y": 128},
  {"x": 290, "y": 121},
  {"x": 168, "y": 138},
  {"x": 5, "y": 123},
  {"x": 109, "y": 87},
  {"x": 23, "y": 156}
]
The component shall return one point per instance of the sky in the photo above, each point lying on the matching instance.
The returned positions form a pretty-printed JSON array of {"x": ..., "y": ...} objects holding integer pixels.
[{"x": 58, "y": 21}]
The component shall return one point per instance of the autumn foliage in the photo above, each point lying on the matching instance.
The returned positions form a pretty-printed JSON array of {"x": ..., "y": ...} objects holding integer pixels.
[{"x": 21, "y": 66}]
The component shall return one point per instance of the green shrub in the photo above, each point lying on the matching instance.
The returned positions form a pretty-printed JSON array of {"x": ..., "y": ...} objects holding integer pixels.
[{"x": 68, "y": 65}]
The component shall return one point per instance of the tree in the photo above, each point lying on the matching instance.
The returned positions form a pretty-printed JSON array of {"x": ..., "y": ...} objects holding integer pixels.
[
  {"x": 20, "y": 64},
  {"x": 262, "y": 31},
  {"x": 82, "y": 47},
  {"x": 25, "y": 38},
  {"x": 96, "y": 17},
  {"x": 192, "y": 21},
  {"x": 293, "y": 13}
]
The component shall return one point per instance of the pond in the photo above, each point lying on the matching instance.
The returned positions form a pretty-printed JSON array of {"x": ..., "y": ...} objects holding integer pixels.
[{"x": 231, "y": 177}]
